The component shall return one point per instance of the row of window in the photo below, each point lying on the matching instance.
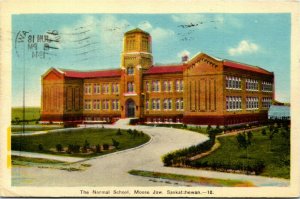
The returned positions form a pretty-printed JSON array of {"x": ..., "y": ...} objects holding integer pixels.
[
  {"x": 163, "y": 120},
  {"x": 106, "y": 88},
  {"x": 233, "y": 82},
  {"x": 167, "y": 104},
  {"x": 267, "y": 86},
  {"x": 234, "y": 103},
  {"x": 167, "y": 86},
  {"x": 250, "y": 84},
  {"x": 101, "y": 104}
]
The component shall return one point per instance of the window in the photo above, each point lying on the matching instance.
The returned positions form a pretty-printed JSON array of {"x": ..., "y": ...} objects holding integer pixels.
[
  {"x": 147, "y": 86},
  {"x": 252, "y": 103},
  {"x": 130, "y": 70},
  {"x": 179, "y": 104},
  {"x": 266, "y": 102},
  {"x": 147, "y": 105},
  {"x": 105, "y": 104},
  {"x": 97, "y": 88},
  {"x": 179, "y": 85},
  {"x": 167, "y": 86},
  {"x": 96, "y": 104},
  {"x": 105, "y": 88},
  {"x": 168, "y": 104},
  {"x": 130, "y": 87},
  {"x": 87, "y": 89},
  {"x": 115, "y": 104},
  {"x": 233, "y": 103},
  {"x": 156, "y": 86},
  {"x": 155, "y": 104},
  {"x": 233, "y": 83},
  {"x": 87, "y": 105},
  {"x": 251, "y": 85},
  {"x": 115, "y": 88},
  {"x": 267, "y": 86}
]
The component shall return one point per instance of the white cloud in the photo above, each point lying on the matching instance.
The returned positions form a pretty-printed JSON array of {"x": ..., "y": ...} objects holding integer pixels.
[
  {"x": 157, "y": 33},
  {"x": 188, "y": 18},
  {"x": 244, "y": 47},
  {"x": 146, "y": 26},
  {"x": 182, "y": 53}
]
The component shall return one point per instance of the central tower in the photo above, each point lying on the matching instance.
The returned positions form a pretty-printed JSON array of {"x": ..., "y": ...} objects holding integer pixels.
[
  {"x": 137, "y": 49},
  {"x": 136, "y": 57}
]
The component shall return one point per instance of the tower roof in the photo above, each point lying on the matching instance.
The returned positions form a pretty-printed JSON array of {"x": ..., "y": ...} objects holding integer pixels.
[{"x": 136, "y": 30}]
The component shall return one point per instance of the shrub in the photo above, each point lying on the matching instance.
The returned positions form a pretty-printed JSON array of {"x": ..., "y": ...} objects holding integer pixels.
[
  {"x": 119, "y": 132},
  {"x": 105, "y": 146},
  {"x": 115, "y": 143},
  {"x": 41, "y": 148},
  {"x": 98, "y": 148},
  {"x": 73, "y": 148},
  {"x": 182, "y": 156},
  {"x": 263, "y": 132},
  {"x": 59, "y": 147},
  {"x": 129, "y": 131}
]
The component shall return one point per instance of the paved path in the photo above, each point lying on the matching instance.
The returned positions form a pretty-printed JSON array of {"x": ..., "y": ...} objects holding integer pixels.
[
  {"x": 46, "y": 156},
  {"x": 112, "y": 170}
]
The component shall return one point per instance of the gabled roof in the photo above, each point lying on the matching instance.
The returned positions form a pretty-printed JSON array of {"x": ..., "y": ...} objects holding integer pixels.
[
  {"x": 91, "y": 74},
  {"x": 136, "y": 30},
  {"x": 165, "y": 69},
  {"x": 246, "y": 67}
]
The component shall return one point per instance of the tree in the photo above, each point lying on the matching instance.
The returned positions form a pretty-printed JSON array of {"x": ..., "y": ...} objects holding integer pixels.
[
  {"x": 59, "y": 147},
  {"x": 244, "y": 141},
  {"x": 119, "y": 132},
  {"x": 41, "y": 148},
  {"x": 115, "y": 143},
  {"x": 98, "y": 148},
  {"x": 263, "y": 132}
]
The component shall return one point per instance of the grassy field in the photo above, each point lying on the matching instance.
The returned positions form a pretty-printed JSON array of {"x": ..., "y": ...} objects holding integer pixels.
[
  {"x": 31, "y": 113},
  {"x": 274, "y": 153},
  {"x": 46, "y": 143},
  {"x": 35, "y": 128},
  {"x": 193, "y": 179}
]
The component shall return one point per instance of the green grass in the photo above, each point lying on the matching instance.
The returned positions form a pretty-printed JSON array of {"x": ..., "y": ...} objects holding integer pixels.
[
  {"x": 77, "y": 136},
  {"x": 19, "y": 160},
  {"x": 36, "y": 128},
  {"x": 193, "y": 179},
  {"x": 275, "y": 155},
  {"x": 31, "y": 113}
]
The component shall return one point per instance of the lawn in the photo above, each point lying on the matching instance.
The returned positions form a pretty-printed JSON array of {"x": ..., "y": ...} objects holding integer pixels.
[
  {"x": 31, "y": 128},
  {"x": 194, "y": 179},
  {"x": 273, "y": 154},
  {"x": 88, "y": 137},
  {"x": 31, "y": 113}
]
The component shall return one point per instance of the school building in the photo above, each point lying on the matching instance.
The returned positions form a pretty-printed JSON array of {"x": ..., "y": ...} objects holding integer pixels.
[{"x": 201, "y": 90}]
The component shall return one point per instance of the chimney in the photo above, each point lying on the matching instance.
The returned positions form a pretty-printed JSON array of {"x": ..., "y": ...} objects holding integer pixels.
[{"x": 184, "y": 58}]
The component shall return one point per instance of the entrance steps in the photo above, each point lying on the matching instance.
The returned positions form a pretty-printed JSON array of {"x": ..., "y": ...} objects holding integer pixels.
[{"x": 123, "y": 121}]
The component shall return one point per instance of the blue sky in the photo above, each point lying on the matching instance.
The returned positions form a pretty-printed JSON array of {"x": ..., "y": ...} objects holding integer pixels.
[{"x": 94, "y": 41}]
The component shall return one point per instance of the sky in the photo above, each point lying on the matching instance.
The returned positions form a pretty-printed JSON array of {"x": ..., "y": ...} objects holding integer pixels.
[{"x": 94, "y": 41}]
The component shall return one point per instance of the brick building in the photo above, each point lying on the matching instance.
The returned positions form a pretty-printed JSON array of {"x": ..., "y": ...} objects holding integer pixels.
[{"x": 202, "y": 90}]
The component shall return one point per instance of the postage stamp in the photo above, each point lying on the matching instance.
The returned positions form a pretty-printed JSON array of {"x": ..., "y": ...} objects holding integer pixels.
[{"x": 149, "y": 99}]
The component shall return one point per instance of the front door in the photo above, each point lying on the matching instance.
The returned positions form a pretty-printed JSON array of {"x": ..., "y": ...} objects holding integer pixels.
[{"x": 130, "y": 108}]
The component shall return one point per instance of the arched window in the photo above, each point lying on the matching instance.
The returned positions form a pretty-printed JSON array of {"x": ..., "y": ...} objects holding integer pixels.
[{"x": 130, "y": 70}]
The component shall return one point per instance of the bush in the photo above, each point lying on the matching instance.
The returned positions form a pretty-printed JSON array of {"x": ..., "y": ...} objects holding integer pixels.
[
  {"x": 255, "y": 166},
  {"x": 73, "y": 148},
  {"x": 98, "y": 148},
  {"x": 41, "y": 148},
  {"x": 59, "y": 147},
  {"x": 182, "y": 156},
  {"x": 105, "y": 146},
  {"x": 115, "y": 143},
  {"x": 119, "y": 132}
]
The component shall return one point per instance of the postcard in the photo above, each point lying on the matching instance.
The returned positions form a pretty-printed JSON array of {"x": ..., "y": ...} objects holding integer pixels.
[{"x": 149, "y": 99}]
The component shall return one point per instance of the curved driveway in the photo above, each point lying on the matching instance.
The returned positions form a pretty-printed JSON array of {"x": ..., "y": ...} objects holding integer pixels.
[{"x": 112, "y": 169}]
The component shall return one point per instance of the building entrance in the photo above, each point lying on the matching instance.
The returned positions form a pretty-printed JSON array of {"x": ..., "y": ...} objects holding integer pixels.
[{"x": 130, "y": 108}]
